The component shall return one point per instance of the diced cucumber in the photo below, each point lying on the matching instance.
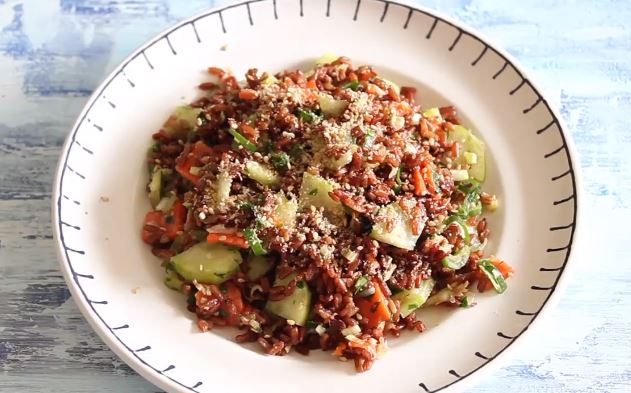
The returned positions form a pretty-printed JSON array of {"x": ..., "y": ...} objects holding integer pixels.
[
  {"x": 478, "y": 169},
  {"x": 155, "y": 187},
  {"x": 326, "y": 58},
  {"x": 182, "y": 120},
  {"x": 223, "y": 185},
  {"x": 270, "y": 80},
  {"x": 457, "y": 260},
  {"x": 166, "y": 203},
  {"x": 172, "y": 281},
  {"x": 469, "y": 144},
  {"x": 257, "y": 266},
  {"x": 340, "y": 162},
  {"x": 261, "y": 173},
  {"x": 401, "y": 234},
  {"x": 295, "y": 307},
  {"x": 314, "y": 191},
  {"x": 412, "y": 299},
  {"x": 459, "y": 174},
  {"x": 331, "y": 106},
  {"x": 285, "y": 211},
  {"x": 207, "y": 263},
  {"x": 433, "y": 113}
]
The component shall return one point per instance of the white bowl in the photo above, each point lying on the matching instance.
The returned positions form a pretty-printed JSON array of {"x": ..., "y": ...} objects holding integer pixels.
[{"x": 100, "y": 200}]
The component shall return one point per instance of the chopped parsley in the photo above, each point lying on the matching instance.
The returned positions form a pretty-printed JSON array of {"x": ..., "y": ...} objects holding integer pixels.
[
  {"x": 353, "y": 85},
  {"x": 280, "y": 161},
  {"x": 306, "y": 115}
]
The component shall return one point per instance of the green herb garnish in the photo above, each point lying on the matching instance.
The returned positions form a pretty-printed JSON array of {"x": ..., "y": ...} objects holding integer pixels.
[
  {"x": 493, "y": 274},
  {"x": 255, "y": 243},
  {"x": 353, "y": 85},
  {"x": 243, "y": 141},
  {"x": 300, "y": 284},
  {"x": 280, "y": 161},
  {"x": 313, "y": 192},
  {"x": 306, "y": 115},
  {"x": 361, "y": 283}
]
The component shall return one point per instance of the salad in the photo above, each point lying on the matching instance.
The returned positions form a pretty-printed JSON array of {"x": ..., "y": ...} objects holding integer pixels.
[{"x": 319, "y": 210}]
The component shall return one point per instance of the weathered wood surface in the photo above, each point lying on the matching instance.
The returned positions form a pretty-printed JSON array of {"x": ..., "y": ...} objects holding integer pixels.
[{"x": 54, "y": 53}]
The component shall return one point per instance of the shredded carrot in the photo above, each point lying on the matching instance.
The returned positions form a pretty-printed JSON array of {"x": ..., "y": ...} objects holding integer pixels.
[
  {"x": 455, "y": 150},
  {"x": 417, "y": 180},
  {"x": 235, "y": 239},
  {"x": 503, "y": 267},
  {"x": 428, "y": 178},
  {"x": 311, "y": 84},
  {"x": 206, "y": 86},
  {"x": 339, "y": 349},
  {"x": 374, "y": 309},
  {"x": 216, "y": 71},
  {"x": 247, "y": 94}
]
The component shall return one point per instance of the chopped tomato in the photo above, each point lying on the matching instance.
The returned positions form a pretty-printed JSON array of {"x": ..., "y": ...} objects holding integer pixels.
[{"x": 374, "y": 308}]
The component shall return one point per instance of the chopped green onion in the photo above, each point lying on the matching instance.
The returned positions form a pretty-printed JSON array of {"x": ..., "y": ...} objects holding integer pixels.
[
  {"x": 463, "y": 226},
  {"x": 255, "y": 243},
  {"x": 311, "y": 324},
  {"x": 369, "y": 138},
  {"x": 494, "y": 275},
  {"x": 300, "y": 284},
  {"x": 353, "y": 85},
  {"x": 243, "y": 141},
  {"x": 398, "y": 178},
  {"x": 361, "y": 283},
  {"x": 295, "y": 151},
  {"x": 457, "y": 260},
  {"x": 280, "y": 161},
  {"x": 306, "y": 115},
  {"x": 466, "y": 302},
  {"x": 247, "y": 205}
]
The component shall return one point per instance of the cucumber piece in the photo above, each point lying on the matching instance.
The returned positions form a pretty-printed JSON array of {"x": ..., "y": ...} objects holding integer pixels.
[
  {"x": 401, "y": 234},
  {"x": 295, "y": 307},
  {"x": 477, "y": 147},
  {"x": 261, "y": 173},
  {"x": 182, "y": 120},
  {"x": 166, "y": 203},
  {"x": 459, "y": 174},
  {"x": 331, "y": 106},
  {"x": 314, "y": 191},
  {"x": 223, "y": 185},
  {"x": 433, "y": 112},
  {"x": 285, "y": 211},
  {"x": 257, "y": 266},
  {"x": 340, "y": 162},
  {"x": 326, "y": 58},
  {"x": 207, "y": 263},
  {"x": 155, "y": 187},
  {"x": 470, "y": 144},
  {"x": 414, "y": 298},
  {"x": 457, "y": 260},
  {"x": 270, "y": 80},
  {"x": 171, "y": 280}
]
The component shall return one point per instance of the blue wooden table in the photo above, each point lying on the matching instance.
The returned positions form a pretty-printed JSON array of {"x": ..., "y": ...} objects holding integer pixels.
[{"x": 53, "y": 53}]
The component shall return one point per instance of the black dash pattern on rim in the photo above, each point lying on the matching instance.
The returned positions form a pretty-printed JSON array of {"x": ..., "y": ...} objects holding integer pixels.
[{"x": 218, "y": 12}]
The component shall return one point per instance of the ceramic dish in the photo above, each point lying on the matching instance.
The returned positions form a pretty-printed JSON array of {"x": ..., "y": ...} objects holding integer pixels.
[{"x": 100, "y": 200}]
